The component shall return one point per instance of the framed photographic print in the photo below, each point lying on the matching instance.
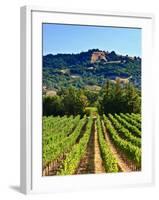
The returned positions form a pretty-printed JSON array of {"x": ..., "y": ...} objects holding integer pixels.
[{"x": 86, "y": 100}]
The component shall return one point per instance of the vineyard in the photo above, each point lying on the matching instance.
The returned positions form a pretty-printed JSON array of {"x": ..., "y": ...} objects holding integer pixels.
[{"x": 91, "y": 144}]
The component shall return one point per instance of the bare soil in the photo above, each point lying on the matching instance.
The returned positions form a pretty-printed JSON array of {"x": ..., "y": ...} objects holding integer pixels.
[{"x": 92, "y": 161}]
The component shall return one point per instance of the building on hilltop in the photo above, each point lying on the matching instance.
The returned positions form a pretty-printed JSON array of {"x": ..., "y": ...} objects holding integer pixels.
[{"x": 98, "y": 56}]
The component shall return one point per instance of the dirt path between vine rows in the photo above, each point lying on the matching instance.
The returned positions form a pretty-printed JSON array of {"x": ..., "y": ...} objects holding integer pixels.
[
  {"x": 121, "y": 163},
  {"x": 99, "y": 168},
  {"x": 92, "y": 161}
]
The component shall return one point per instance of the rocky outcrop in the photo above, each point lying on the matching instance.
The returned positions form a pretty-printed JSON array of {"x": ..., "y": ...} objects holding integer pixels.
[{"x": 98, "y": 56}]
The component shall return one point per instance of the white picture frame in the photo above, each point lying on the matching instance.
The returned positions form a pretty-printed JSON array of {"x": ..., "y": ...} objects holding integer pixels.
[{"x": 31, "y": 103}]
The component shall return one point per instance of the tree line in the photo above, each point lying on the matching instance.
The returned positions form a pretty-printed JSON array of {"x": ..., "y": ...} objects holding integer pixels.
[{"x": 112, "y": 98}]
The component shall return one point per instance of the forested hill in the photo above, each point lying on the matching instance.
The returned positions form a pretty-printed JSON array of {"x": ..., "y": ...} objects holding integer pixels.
[{"x": 92, "y": 67}]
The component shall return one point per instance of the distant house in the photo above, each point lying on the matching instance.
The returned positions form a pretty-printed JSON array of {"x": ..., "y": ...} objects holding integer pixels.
[
  {"x": 122, "y": 81},
  {"x": 75, "y": 76},
  {"x": 90, "y": 68},
  {"x": 44, "y": 88},
  {"x": 51, "y": 93}
]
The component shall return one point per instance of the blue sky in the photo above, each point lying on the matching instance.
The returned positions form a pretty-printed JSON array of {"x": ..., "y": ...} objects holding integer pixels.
[{"x": 58, "y": 38}]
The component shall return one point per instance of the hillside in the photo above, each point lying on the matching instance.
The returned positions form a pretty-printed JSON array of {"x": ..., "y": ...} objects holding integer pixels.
[{"x": 90, "y": 68}]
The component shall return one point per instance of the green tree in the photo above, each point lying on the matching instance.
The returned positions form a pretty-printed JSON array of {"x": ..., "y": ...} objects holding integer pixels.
[
  {"x": 91, "y": 96},
  {"x": 117, "y": 98},
  {"x": 74, "y": 102},
  {"x": 133, "y": 99},
  {"x": 52, "y": 105}
]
